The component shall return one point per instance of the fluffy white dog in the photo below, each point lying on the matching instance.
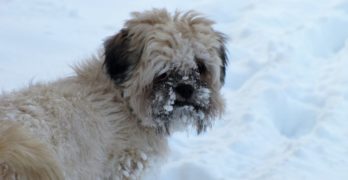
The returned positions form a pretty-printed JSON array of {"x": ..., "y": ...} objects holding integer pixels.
[{"x": 159, "y": 74}]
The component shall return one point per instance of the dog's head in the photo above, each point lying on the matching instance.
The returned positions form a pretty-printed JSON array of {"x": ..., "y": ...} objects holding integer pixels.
[{"x": 169, "y": 68}]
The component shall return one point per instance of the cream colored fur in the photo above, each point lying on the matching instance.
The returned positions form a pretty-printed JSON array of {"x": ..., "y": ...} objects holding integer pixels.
[
  {"x": 82, "y": 127},
  {"x": 83, "y": 121}
]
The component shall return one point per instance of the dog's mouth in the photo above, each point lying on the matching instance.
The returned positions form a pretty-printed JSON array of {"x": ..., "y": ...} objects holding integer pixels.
[
  {"x": 176, "y": 114},
  {"x": 178, "y": 103}
]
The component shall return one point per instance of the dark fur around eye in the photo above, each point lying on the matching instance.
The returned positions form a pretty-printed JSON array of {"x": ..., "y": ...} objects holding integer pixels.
[
  {"x": 202, "y": 69},
  {"x": 162, "y": 77}
]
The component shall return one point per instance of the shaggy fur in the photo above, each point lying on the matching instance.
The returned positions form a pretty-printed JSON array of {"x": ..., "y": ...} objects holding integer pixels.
[{"x": 159, "y": 74}]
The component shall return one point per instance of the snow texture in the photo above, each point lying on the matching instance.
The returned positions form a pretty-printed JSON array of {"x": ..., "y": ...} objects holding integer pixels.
[{"x": 286, "y": 86}]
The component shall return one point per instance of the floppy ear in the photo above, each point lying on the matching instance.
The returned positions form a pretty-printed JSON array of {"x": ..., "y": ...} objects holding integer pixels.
[
  {"x": 120, "y": 57},
  {"x": 223, "y": 56}
]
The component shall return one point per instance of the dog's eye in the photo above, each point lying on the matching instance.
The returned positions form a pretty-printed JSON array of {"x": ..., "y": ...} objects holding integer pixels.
[
  {"x": 201, "y": 68},
  {"x": 161, "y": 77}
]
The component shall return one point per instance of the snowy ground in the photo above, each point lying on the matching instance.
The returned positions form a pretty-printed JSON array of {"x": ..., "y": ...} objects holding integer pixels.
[{"x": 286, "y": 89}]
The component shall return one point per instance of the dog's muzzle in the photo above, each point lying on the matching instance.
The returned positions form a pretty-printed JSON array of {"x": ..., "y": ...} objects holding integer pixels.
[
  {"x": 180, "y": 99},
  {"x": 185, "y": 91}
]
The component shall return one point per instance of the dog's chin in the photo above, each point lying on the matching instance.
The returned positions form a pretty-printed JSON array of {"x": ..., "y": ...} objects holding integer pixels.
[{"x": 183, "y": 115}]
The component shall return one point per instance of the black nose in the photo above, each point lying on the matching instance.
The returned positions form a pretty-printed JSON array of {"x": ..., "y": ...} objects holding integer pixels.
[{"x": 184, "y": 90}]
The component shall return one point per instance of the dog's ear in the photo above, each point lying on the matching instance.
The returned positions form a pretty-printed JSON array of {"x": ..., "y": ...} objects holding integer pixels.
[
  {"x": 120, "y": 57},
  {"x": 223, "y": 56}
]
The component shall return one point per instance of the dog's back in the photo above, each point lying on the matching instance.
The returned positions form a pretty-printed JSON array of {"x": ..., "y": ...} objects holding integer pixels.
[
  {"x": 45, "y": 126},
  {"x": 21, "y": 154}
]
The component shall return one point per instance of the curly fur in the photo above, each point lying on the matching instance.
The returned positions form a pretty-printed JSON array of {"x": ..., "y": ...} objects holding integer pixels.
[{"x": 100, "y": 123}]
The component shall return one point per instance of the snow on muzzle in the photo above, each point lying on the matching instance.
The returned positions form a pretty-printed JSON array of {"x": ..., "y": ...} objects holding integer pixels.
[{"x": 180, "y": 101}]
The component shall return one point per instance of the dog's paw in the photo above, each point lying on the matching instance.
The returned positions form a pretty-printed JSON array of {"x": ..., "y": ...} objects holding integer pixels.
[{"x": 132, "y": 163}]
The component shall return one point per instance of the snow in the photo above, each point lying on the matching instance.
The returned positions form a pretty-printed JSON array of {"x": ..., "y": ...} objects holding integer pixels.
[{"x": 286, "y": 86}]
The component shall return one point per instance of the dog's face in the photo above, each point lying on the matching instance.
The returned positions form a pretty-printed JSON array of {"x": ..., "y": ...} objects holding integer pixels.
[{"x": 169, "y": 68}]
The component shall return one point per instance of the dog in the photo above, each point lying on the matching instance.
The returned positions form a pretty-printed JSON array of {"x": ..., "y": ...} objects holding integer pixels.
[{"x": 161, "y": 73}]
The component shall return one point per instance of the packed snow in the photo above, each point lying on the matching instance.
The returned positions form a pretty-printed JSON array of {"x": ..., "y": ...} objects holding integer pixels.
[{"x": 286, "y": 87}]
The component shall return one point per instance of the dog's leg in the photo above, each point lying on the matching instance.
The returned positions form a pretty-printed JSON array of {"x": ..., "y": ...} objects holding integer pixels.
[
  {"x": 23, "y": 156},
  {"x": 127, "y": 164},
  {"x": 132, "y": 164}
]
